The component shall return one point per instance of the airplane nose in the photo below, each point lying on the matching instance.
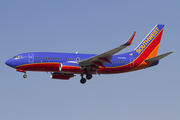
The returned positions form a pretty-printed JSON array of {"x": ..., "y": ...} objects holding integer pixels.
[{"x": 9, "y": 63}]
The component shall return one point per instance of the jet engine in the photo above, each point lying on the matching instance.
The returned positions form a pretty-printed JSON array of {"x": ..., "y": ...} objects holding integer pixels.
[{"x": 69, "y": 67}]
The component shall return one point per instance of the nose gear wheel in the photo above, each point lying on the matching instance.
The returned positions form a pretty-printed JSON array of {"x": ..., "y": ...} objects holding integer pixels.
[{"x": 24, "y": 76}]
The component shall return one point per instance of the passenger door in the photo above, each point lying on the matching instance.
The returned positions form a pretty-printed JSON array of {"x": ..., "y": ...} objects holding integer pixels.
[{"x": 30, "y": 57}]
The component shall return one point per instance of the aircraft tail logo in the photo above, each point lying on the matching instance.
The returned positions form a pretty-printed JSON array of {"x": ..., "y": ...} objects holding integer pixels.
[{"x": 150, "y": 43}]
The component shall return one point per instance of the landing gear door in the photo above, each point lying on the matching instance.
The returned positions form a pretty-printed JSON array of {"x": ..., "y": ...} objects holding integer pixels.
[{"x": 31, "y": 57}]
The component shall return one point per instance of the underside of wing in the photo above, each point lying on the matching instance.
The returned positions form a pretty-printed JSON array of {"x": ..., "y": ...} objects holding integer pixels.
[{"x": 101, "y": 59}]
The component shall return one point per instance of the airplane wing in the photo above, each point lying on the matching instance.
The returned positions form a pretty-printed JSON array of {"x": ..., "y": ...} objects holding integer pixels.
[{"x": 99, "y": 60}]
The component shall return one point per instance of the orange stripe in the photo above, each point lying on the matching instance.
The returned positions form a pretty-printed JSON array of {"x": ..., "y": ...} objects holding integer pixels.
[{"x": 154, "y": 52}]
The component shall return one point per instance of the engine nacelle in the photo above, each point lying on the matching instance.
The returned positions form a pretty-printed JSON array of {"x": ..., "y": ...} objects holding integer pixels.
[
  {"x": 63, "y": 76},
  {"x": 69, "y": 67}
]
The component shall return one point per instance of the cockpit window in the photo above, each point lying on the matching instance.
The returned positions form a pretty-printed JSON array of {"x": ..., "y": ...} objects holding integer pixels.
[{"x": 17, "y": 57}]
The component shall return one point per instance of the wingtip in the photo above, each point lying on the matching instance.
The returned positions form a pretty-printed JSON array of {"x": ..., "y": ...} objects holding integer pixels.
[
  {"x": 170, "y": 52},
  {"x": 129, "y": 41}
]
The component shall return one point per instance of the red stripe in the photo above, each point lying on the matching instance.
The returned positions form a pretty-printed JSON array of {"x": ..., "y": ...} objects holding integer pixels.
[{"x": 40, "y": 67}]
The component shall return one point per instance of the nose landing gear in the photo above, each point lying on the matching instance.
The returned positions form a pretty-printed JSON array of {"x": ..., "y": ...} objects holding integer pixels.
[
  {"x": 20, "y": 70},
  {"x": 25, "y": 75}
]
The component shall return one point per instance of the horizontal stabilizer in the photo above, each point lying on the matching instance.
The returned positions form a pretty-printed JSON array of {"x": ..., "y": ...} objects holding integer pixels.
[{"x": 157, "y": 58}]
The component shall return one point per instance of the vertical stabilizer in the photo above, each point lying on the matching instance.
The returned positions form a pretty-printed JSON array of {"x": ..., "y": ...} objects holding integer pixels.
[{"x": 149, "y": 46}]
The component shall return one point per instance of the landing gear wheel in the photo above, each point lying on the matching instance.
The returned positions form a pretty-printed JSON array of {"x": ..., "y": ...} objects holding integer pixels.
[
  {"x": 83, "y": 80},
  {"x": 88, "y": 76},
  {"x": 24, "y": 76}
]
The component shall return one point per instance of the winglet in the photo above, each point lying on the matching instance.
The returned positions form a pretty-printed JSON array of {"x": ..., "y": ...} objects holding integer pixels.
[
  {"x": 129, "y": 41},
  {"x": 153, "y": 59}
]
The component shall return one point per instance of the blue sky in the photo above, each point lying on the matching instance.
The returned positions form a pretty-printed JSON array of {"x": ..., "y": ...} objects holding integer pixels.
[{"x": 94, "y": 26}]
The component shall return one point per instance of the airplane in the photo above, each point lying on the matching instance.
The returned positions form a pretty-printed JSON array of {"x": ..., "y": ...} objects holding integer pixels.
[{"x": 64, "y": 66}]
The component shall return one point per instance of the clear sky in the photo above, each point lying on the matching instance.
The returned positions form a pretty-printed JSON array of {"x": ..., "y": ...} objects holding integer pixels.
[{"x": 88, "y": 26}]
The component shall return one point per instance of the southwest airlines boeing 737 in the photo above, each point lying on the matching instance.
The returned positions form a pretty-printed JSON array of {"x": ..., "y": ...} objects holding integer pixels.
[{"x": 65, "y": 65}]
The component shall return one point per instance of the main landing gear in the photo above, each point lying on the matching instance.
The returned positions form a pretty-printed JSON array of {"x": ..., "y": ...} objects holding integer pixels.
[
  {"x": 83, "y": 80},
  {"x": 88, "y": 76}
]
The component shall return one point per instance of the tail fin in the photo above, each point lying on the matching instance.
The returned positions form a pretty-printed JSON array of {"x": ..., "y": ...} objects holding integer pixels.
[{"x": 149, "y": 46}]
